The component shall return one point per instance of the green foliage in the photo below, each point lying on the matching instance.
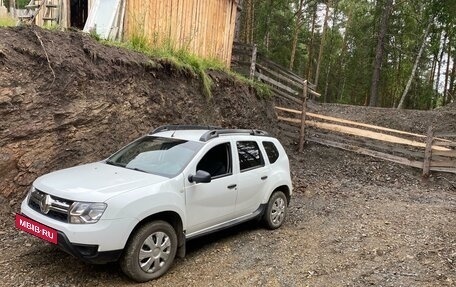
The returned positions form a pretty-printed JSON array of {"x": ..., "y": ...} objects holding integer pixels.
[{"x": 349, "y": 48}]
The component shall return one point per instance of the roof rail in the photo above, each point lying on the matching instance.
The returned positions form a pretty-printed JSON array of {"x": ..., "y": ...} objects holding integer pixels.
[
  {"x": 216, "y": 132},
  {"x": 183, "y": 127}
]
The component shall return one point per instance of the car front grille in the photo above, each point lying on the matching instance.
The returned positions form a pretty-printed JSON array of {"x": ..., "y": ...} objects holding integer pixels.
[{"x": 49, "y": 205}]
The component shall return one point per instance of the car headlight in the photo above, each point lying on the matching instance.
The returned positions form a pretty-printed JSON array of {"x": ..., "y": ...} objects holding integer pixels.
[
  {"x": 86, "y": 212},
  {"x": 29, "y": 193}
]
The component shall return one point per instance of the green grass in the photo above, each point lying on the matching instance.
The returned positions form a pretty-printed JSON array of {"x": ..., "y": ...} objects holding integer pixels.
[
  {"x": 7, "y": 21},
  {"x": 183, "y": 60}
]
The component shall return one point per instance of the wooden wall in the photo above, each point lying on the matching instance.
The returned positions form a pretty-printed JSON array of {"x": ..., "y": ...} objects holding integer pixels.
[{"x": 204, "y": 27}]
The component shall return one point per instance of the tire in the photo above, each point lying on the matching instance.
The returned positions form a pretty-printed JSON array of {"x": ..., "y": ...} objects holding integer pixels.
[
  {"x": 156, "y": 243},
  {"x": 276, "y": 210}
]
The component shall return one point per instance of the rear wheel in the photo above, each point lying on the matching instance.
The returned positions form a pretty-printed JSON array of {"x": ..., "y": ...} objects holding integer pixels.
[
  {"x": 276, "y": 210},
  {"x": 150, "y": 252}
]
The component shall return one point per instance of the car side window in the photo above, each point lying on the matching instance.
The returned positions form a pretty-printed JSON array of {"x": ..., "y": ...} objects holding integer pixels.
[
  {"x": 250, "y": 156},
  {"x": 217, "y": 161},
  {"x": 271, "y": 151}
]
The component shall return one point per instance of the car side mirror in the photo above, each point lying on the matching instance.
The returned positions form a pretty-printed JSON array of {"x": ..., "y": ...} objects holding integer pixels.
[{"x": 200, "y": 176}]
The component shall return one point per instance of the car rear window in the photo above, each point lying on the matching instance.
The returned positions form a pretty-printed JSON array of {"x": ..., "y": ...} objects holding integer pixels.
[
  {"x": 271, "y": 151},
  {"x": 249, "y": 155}
]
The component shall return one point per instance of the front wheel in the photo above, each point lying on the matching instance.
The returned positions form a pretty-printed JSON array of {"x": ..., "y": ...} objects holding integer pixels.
[
  {"x": 150, "y": 252},
  {"x": 276, "y": 210}
]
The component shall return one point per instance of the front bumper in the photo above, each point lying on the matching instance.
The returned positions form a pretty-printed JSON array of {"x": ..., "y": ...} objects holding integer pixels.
[
  {"x": 87, "y": 240},
  {"x": 87, "y": 253}
]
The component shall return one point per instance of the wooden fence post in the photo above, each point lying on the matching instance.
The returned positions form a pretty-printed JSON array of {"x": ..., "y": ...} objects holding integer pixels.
[
  {"x": 428, "y": 152},
  {"x": 253, "y": 62},
  {"x": 303, "y": 116}
]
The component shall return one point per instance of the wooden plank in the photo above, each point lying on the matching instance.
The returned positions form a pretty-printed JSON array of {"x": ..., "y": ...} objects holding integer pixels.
[
  {"x": 371, "y": 144},
  {"x": 447, "y": 153},
  {"x": 444, "y": 169},
  {"x": 297, "y": 84},
  {"x": 428, "y": 152},
  {"x": 314, "y": 93},
  {"x": 370, "y": 134},
  {"x": 338, "y": 120},
  {"x": 271, "y": 64},
  {"x": 444, "y": 163},
  {"x": 277, "y": 84},
  {"x": 364, "y": 151},
  {"x": 446, "y": 134},
  {"x": 285, "y": 95},
  {"x": 362, "y": 133},
  {"x": 445, "y": 143}
]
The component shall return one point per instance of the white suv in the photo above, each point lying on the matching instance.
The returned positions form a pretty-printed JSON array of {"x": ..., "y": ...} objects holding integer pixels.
[{"x": 141, "y": 204}]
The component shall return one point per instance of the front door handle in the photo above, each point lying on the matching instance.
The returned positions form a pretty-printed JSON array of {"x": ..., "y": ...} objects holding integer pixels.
[
  {"x": 232, "y": 186},
  {"x": 264, "y": 177}
]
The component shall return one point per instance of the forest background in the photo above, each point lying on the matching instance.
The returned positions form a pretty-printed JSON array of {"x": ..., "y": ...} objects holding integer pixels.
[{"x": 385, "y": 53}]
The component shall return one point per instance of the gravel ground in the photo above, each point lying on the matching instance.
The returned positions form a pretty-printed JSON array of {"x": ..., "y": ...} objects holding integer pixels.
[{"x": 353, "y": 221}]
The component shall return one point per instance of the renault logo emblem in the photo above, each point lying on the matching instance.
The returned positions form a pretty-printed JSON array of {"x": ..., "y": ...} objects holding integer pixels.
[{"x": 45, "y": 203}]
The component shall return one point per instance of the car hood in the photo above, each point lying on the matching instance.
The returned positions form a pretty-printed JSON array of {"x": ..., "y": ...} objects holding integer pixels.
[{"x": 95, "y": 182}]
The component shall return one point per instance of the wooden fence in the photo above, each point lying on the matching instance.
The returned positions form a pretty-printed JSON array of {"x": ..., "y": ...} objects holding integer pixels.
[
  {"x": 248, "y": 61},
  {"x": 431, "y": 152}
]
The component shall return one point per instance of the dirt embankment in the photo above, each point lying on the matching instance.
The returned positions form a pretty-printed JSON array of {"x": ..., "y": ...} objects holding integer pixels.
[{"x": 100, "y": 98}]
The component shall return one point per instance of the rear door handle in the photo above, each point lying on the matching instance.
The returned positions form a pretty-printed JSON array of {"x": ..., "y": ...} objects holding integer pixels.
[
  {"x": 232, "y": 186},
  {"x": 264, "y": 177}
]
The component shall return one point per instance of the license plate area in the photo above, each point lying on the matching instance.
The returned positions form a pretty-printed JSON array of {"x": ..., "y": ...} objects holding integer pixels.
[{"x": 35, "y": 228}]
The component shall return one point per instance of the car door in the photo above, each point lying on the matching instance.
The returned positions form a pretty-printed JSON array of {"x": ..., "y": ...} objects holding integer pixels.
[
  {"x": 212, "y": 203},
  {"x": 252, "y": 177}
]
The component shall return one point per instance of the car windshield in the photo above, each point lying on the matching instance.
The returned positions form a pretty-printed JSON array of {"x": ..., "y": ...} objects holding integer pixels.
[{"x": 156, "y": 155}]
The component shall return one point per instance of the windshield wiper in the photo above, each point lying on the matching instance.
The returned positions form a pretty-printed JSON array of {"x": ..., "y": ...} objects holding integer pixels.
[
  {"x": 137, "y": 169},
  {"x": 115, "y": 163}
]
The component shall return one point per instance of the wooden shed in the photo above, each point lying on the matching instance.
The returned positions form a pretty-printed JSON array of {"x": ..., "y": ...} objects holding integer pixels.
[{"x": 203, "y": 27}]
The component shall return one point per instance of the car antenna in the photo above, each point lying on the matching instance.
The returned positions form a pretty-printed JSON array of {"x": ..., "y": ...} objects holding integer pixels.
[{"x": 177, "y": 127}]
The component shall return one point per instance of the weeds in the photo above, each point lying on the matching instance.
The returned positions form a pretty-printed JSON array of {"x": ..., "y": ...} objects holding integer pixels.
[
  {"x": 7, "y": 21},
  {"x": 183, "y": 60}
]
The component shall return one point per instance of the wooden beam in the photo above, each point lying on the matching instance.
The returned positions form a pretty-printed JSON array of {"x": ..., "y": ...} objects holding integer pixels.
[
  {"x": 362, "y": 133},
  {"x": 303, "y": 117},
  {"x": 274, "y": 82},
  {"x": 364, "y": 151},
  {"x": 428, "y": 153},
  {"x": 285, "y": 95},
  {"x": 446, "y": 134},
  {"x": 372, "y": 144},
  {"x": 444, "y": 169},
  {"x": 444, "y": 163},
  {"x": 447, "y": 153},
  {"x": 297, "y": 84},
  {"x": 338, "y": 120}
]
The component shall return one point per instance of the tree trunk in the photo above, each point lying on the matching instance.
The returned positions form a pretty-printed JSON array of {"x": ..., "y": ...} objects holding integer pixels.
[
  {"x": 330, "y": 60},
  {"x": 379, "y": 51},
  {"x": 309, "y": 61},
  {"x": 267, "y": 35},
  {"x": 447, "y": 73},
  {"x": 298, "y": 23},
  {"x": 322, "y": 43},
  {"x": 437, "y": 82},
  {"x": 415, "y": 66},
  {"x": 452, "y": 90}
]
